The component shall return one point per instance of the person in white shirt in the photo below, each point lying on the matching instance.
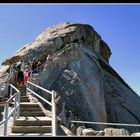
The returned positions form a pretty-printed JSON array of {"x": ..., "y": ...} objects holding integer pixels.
[{"x": 20, "y": 75}]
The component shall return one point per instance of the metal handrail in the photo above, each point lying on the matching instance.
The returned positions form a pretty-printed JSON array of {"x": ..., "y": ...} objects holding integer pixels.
[
  {"x": 14, "y": 112},
  {"x": 104, "y": 123},
  {"x": 40, "y": 97},
  {"x": 40, "y": 87},
  {"x": 52, "y": 104}
]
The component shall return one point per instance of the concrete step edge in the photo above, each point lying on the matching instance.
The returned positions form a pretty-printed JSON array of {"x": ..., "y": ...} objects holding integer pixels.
[
  {"x": 33, "y": 118},
  {"x": 29, "y": 134},
  {"x": 31, "y": 129}
]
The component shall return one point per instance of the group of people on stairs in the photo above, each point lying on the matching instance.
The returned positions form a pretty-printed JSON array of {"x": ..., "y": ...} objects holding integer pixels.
[{"x": 23, "y": 71}]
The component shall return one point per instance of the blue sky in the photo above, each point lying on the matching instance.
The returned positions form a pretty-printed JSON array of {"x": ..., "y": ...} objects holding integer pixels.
[{"x": 118, "y": 24}]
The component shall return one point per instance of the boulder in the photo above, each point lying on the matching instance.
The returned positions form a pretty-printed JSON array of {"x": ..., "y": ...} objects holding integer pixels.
[
  {"x": 135, "y": 134},
  {"x": 79, "y": 130},
  {"x": 88, "y": 132},
  {"x": 99, "y": 133},
  {"x": 66, "y": 131},
  {"x": 73, "y": 128},
  {"x": 116, "y": 132}
]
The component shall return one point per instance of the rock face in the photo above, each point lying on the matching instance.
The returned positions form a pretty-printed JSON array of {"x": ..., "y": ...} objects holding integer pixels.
[
  {"x": 88, "y": 132},
  {"x": 81, "y": 74}
]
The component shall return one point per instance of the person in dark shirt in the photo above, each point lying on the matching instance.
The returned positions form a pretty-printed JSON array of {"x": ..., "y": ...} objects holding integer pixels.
[
  {"x": 34, "y": 65},
  {"x": 20, "y": 75}
]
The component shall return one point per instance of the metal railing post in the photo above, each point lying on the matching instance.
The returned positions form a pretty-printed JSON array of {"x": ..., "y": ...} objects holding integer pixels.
[
  {"x": 15, "y": 108},
  {"x": 26, "y": 89},
  {"x": 11, "y": 90},
  {"x": 18, "y": 101},
  {"x": 16, "y": 98},
  {"x": 53, "y": 114},
  {"x": 52, "y": 104},
  {"x": 5, "y": 118}
]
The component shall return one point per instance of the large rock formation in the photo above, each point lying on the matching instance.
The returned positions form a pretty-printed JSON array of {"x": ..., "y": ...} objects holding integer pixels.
[{"x": 82, "y": 76}]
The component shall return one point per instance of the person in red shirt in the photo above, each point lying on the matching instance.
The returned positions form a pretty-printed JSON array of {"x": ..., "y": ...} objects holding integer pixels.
[{"x": 26, "y": 76}]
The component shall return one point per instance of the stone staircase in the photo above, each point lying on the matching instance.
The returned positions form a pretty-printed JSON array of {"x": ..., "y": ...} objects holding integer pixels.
[
  {"x": 23, "y": 97},
  {"x": 32, "y": 120}
]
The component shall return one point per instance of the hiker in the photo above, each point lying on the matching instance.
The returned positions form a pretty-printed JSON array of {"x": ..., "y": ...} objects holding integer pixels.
[
  {"x": 26, "y": 76},
  {"x": 20, "y": 69},
  {"x": 29, "y": 67},
  {"x": 34, "y": 66},
  {"x": 49, "y": 58},
  {"x": 38, "y": 66}
]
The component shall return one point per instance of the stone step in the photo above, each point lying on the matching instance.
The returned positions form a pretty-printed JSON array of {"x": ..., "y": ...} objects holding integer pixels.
[
  {"x": 22, "y": 88},
  {"x": 30, "y": 108},
  {"x": 24, "y": 99},
  {"x": 24, "y": 104},
  {"x": 29, "y": 134},
  {"x": 31, "y": 129},
  {"x": 23, "y": 94},
  {"x": 32, "y": 113},
  {"x": 33, "y": 121}
]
